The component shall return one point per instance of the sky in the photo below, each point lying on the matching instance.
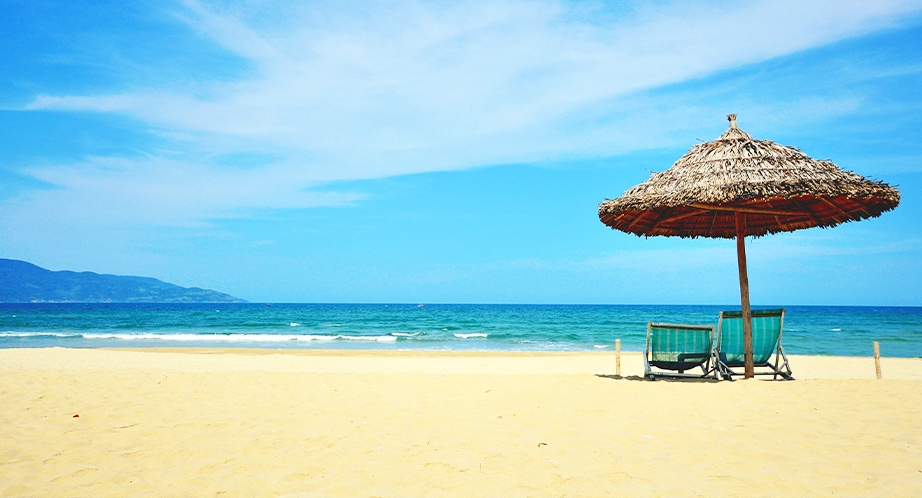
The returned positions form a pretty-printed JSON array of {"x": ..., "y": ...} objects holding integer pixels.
[{"x": 446, "y": 152}]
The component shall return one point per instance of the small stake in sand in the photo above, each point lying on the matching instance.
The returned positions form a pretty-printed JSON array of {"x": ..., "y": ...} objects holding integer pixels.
[
  {"x": 877, "y": 359},
  {"x": 618, "y": 357}
]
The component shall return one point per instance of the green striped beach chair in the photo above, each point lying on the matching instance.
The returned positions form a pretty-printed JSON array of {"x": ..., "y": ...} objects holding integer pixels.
[
  {"x": 766, "y": 340},
  {"x": 678, "y": 348}
]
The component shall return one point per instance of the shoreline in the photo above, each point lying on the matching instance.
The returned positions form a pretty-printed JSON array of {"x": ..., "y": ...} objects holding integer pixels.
[
  {"x": 805, "y": 367},
  {"x": 818, "y": 330},
  {"x": 209, "y": 422}
]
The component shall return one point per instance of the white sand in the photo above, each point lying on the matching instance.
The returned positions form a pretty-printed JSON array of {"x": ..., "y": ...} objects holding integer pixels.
[{"x": 268, "y": 423}]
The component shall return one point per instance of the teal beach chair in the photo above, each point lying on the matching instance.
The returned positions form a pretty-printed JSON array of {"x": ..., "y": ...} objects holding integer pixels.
[
  {"x": 766, "y": 340},
  {"x": 678, "y": 348}
]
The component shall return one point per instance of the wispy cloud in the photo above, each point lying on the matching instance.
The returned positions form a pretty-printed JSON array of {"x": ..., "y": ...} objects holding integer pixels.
[
  {"x": 346, "y": 91},
  {"x": 163, "y": 192},
  {"x": 371, "y": 90}
]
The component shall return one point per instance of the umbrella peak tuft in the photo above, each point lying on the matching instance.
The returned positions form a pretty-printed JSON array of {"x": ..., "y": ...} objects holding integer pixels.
[{"x": 734, "y": 133}]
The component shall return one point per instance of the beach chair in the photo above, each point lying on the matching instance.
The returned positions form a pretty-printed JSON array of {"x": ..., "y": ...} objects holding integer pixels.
[
  {"x": 766, "y": 340},
  {"x": 678, "y": 348}
]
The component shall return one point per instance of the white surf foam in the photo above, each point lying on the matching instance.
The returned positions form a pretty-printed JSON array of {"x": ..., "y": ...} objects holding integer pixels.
[
  {"x": 225, "y": 338},
  {"x": 24, "y": 335},
  {"x": 471, "y": 336}
]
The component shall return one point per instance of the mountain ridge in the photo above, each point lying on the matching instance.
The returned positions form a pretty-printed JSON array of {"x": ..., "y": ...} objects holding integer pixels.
[{"x": 24, "y": 282}]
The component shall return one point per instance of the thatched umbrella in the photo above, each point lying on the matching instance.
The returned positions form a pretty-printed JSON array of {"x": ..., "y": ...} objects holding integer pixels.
[{"x": 735, "y": 187}]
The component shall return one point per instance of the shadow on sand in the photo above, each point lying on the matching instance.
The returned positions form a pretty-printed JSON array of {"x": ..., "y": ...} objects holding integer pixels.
[{"x": 667, "y": 379}]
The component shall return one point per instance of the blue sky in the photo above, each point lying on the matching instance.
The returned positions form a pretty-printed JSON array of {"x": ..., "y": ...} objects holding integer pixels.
[{"x": 445, "y": 151}]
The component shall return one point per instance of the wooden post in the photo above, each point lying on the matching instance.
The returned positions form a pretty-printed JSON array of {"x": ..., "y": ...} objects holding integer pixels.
[
  {"x": 618, "y": 357},
  {"x": 877, "y": 359},
  {"x": 749, "y": 371}
]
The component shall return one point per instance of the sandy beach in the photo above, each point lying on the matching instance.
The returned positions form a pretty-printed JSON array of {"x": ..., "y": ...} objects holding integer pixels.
[{"x": 93, "y": 422}]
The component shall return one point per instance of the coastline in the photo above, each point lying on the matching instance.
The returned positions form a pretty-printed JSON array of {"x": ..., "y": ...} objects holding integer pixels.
[
  {"x": 816, "y": 330},
  {"x": 806, "y": 367},
  {"x": 204, "y": 422}
]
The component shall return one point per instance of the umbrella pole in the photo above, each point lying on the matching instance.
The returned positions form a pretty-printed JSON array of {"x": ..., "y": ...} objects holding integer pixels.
[{"x": 744, "y": 293}]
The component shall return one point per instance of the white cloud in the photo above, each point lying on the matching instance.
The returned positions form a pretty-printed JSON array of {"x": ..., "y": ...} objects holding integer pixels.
[
  {"x": 163, "y": 192},
  {"x": 405, "y": 87},
  {"x": 343, "y": 91}
]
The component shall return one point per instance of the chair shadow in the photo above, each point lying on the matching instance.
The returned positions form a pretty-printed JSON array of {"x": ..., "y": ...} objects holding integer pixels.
[
  {"x": 703, "y": 380},
  {"x": 620, "y": 377}
]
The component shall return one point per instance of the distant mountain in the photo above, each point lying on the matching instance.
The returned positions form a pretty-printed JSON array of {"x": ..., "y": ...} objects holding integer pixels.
[{"x": 22, "y": 282}]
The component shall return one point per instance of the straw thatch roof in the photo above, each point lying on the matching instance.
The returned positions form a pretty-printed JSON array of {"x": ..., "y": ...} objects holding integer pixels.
[{"x": 778, "y": 188}]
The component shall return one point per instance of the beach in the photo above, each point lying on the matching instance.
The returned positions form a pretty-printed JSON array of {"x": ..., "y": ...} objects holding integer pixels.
[{"x": 315, "y": 423}]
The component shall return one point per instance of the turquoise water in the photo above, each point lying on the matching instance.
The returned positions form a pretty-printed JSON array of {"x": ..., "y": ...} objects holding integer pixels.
[{"x": 820, "y": 330}]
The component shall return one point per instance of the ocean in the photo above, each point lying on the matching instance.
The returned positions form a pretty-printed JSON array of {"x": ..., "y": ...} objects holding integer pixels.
[{"x": 808, "y": 330}]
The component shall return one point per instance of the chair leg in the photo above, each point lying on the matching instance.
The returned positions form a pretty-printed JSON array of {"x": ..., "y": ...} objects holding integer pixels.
[
  {"x": 725, "y": 371},
  {"x": 787, "y": 366}
]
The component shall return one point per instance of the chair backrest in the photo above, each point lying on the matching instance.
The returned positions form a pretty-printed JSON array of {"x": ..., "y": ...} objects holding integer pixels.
[
  {"x": 766, "y": 332},
  {"x": 684, "y": 345}
]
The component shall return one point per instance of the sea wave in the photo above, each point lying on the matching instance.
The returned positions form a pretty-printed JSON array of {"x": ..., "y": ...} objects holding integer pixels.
[
  {"x": 813, "y": 330},
  {"x": 227, "y": 338},
  {"x": 29, "y": 335}
]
